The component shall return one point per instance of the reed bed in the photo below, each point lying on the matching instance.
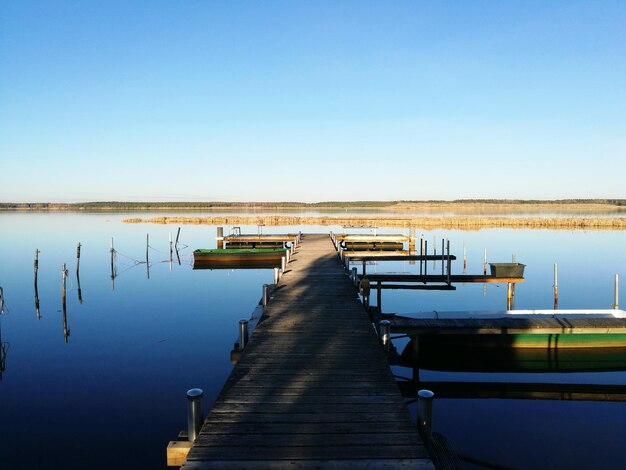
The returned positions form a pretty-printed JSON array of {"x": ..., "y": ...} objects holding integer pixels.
[{"x": 459, "y": 223}]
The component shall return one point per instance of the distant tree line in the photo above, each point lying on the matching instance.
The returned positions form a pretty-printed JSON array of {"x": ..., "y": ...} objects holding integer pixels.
[{"x": 126, "y": 205}]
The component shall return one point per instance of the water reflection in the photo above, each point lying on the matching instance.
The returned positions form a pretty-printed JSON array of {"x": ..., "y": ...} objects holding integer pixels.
[{"x": 4, "y": 347}]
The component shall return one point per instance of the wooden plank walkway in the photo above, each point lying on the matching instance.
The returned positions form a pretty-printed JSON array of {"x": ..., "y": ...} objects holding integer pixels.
[{"x": 313, "y": 388}]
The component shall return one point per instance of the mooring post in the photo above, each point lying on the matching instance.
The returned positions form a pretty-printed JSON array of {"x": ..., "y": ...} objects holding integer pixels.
[
  {"x": 112, "y": 265},
  {"x": 287, "y": 256},
  {"x": 364, "y": 267},
  {"x": 36, "y": 266},
  {"x": 63, "y": 283},
  {"x": 425, "y": 412},
  {"x": 266, "y": 295},
  {"x": 276, "y": 276},
  {"x": 425, "y": 254},
  {"x": 616, "y": 303},
  {"x": 443, "y": 260},
  {"x": 509, "y": 295},
  {"x": 177, "y": 236},
  {"x": 78, "y": 259},
  {"x": 283, "y": 265},
  {"x": 171, "y": 251},
  {"x": 464, "y": 258},
  {"x": 379, "y": 295},
  {"x": 243, "y": 334},
  {"x": 485, "y": 263},
  {"x": 385, "y": 333},
  {"x": 449, "y": 267},
  {"x": 556, "y": 286},
  {"x": 220, "y": 237},
  {"x": 355, "y": 277},
  {"x": 194, "y": 413}
]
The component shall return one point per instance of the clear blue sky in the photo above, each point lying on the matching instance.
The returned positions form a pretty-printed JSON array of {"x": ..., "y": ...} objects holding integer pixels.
[{"x": 311, "y": 100}]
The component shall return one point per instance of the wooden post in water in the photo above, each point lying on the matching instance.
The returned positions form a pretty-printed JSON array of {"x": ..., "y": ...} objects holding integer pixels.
[
  {"x": 425, "y": 254},
  {"x": 443, "y": 244},
  {"x": 364, "y": 264},
  {"x": 80, "y": 292},
  {"x": 556, "y": 286},
  {"x": 220, "y": 238},
  {"x": 434, "y": 251},
  {"x": 177, "y": 236},
  {"x": 379, "y": 296},
  {"x": 509, "y": 295},
  {"x": 147, "y": 259},
  {"x": 616, "y": 303},
  {"x": 485, "y": 263},
  {"x": 448, "y": 263},
  {"x": 36, "y": 266},
  {"x": 411, "y": 240},
  {"x": 66, "y": 331}
]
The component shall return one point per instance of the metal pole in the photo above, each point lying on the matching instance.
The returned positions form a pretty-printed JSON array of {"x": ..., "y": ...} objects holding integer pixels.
[
  {"x": 425, "y": 412},
  {"x": 266, "y": 294},
  {"x": 385, "y": 333},
  {"x": 616, "y": 304},
  {"x": 194, "y": 413},
  {"x": 243, "y": 334},
  {"x": 556, "y": 286}
]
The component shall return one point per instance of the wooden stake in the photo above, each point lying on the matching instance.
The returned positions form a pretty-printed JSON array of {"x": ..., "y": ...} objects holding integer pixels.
[
  {"x": 112, "y": 265},
  {"x": 464, "y": 258},
  {"x": 485, "y": 263},
  {"x": 77, "y": 259}
]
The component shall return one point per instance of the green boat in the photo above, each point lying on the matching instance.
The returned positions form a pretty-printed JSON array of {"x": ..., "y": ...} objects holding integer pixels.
[{"x": 221, "y": 258}]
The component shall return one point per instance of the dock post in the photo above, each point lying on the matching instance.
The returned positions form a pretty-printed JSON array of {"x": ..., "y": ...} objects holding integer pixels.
[
  {"x": 556, "y": 286},
  {"x": 354, "y": 276},
  {"x": 449, "y": 267},
  {"x": 364, "y": 268},
  {"x": 112, "y": 265},
  {"x": 276, "y": 276},
  {"x": 220, "y": 238},
  {"x": 425, "y": 254},
  {"x": 243, "y": 334},
  {"x": 443, "y": 258},
  {"x": 287, "y": 256},
  {"x": 379, "y": 295},
  {"x": 194, "y": 413},
  {"x": 385, "y": 333},
  {"x": 283, "y": 265},
  {"x": 485, "y": 263},
  {"x": 509, "y": 295},
  {"x": 616, "y": 304},
  {"x": 425, "y": 412},
  {"x": 266, "y": 295}
]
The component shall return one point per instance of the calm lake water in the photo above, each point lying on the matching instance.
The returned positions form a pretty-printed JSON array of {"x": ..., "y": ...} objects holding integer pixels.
[{"x": 111, "y": 393}]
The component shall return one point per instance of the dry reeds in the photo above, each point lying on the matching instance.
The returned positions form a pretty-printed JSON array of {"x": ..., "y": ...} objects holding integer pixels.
[{"x": 455, "y": 222}]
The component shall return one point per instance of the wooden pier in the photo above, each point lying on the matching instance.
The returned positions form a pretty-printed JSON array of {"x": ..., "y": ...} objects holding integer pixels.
[{"x": 313, "y": 388}]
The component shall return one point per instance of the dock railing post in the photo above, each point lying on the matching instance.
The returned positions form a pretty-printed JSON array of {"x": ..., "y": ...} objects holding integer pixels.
[
  {"x": 556, "y": 286},
  {"x": 243, "y": 334},
  {"x": 616, "y": 303},
  {"x": 276, "y": 276},
  {"x": 449, "y": 266},
  {"x": 425, "y": 412},
  {"x": 283, "y": 265},
  {"x": 385, "y": 333},
  {"x": 266, "y": 295},
  {"x": 194, "y": 413}
]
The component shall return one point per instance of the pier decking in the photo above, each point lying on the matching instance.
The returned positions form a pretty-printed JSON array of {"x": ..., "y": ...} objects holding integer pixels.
[{"x": 312, "y": 388}]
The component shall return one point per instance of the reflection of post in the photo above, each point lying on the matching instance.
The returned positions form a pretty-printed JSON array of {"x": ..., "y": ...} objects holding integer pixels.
[
  {"x": 416, "y": 357},
  {"x": 556, "y": 286},
  {"x": 37, "y": 285},
  {"x": 177, "y": 254},
  {"x": 3, "y": 353},
  {"x": 66, "y": 331}
]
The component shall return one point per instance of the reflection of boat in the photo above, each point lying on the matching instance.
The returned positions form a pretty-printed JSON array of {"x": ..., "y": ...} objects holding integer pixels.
[
  {"x": 238, "y": 257},
  {"x": 498, "y": 353}
]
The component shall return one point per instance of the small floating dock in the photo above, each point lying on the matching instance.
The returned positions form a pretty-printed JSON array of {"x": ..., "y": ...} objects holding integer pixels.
[
  {"x": 312, "y": 388},
  {"x": 238, "y": 258}
]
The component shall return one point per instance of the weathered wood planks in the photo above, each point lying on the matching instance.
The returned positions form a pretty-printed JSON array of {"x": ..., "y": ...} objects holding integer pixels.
[{"x": 313, "y": 388}]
